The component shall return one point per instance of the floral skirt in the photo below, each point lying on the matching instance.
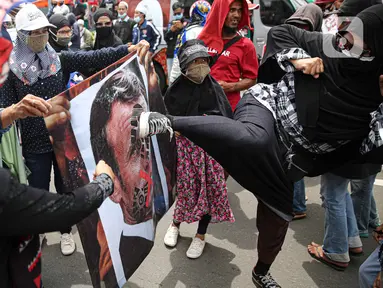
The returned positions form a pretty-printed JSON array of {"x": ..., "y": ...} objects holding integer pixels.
[{"x": 201, "y": 186}]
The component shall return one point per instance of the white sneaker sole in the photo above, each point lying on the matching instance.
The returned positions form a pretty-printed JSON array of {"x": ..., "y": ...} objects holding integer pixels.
[
  {"x": 68, "y": 253},
  {"x": 143, "y": 125}
]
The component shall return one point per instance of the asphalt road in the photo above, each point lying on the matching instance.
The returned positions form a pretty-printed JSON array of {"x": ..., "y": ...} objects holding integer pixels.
[{"x": 229, "y": 255}]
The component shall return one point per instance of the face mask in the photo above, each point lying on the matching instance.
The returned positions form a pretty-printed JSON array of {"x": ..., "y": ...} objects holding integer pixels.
[
  {"x": 122, "y": 16},
  {"x": 178, "y": 17},
  {"x": 198, "y": 73},
  {"x": 37, "y": 43},
  {"x": 104, "y": 32},
  {"x": 63, "y": 41},
  {"x": 137, "y": 19}
]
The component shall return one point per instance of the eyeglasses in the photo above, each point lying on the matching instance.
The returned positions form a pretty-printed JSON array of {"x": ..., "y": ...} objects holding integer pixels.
[
  {"x": 65, "y": 32},
  {"x": 343, "y": 43},
  {"x": 104, "y": 24},
  {"x": 177, "y": 14}
]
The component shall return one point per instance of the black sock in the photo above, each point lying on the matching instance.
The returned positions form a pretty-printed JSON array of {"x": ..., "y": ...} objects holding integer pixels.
[
  {"x": 177, "y": 224},
  {"x": 261, "y": 268}
]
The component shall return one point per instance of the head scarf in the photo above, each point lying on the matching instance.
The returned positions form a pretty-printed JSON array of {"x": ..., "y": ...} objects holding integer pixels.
[
  {"x": 102, "y": 12},
  {"x": 59, "y": 21},
  {"x": 28, "y": 66},
  {"x": 309, "y": 14},
  {"x": 185, "y": 98},
  {"x": 111, "y": 40},
  {"x": 212, "y": 32},
  {"x": 372, "y": 19}
]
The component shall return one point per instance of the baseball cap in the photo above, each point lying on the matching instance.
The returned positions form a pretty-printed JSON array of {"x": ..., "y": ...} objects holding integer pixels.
[
  {"x": 251, "y": 5},
  {"x": 31, "y": 18},
  {"x": 141, "y": 7}
]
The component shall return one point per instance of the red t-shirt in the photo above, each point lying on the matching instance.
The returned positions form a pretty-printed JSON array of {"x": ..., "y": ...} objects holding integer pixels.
[{"x": 239, "y": 61}]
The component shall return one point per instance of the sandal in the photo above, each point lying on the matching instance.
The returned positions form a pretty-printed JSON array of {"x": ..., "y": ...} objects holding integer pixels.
[
  {"x": 299, "y": 215},
  {"x": 321, "y": 257},
  {"x": 357, "y": 251}
]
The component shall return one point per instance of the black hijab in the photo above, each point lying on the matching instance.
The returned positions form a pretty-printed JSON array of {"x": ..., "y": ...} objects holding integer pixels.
[
  {"x": 105, "y": 36},
  {"x": 185, "y": 98},
  {"x": 59, "y": 21},
  {"x": 353, "y": 7},
  {"x": 309, "y": 14},
  {"x": 336, "y": 106}
]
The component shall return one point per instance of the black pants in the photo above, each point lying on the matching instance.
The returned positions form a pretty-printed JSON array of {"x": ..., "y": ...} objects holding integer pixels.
[{"x": 248, "y": 148}]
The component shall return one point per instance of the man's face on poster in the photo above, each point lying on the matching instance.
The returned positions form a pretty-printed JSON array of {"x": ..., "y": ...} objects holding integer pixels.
[{"x": 133, "y": 160}]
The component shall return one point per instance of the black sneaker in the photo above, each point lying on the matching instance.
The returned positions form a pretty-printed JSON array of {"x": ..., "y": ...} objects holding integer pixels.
[
  {"x": 264, "y": 281},
  {"x": 152, "y": 123}
]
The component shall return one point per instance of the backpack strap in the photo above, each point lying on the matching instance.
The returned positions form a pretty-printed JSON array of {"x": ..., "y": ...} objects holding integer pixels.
[{"x": 225, "y": 47}]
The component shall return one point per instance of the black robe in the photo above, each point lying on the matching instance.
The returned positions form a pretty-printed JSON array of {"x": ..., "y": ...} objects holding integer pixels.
[{"x": 184, "y": 98}]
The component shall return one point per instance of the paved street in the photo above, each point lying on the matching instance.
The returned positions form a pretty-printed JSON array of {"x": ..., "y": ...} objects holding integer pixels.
[{"x": 229, "y": 255}]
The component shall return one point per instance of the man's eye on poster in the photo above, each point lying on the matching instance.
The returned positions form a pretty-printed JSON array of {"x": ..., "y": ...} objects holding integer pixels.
[{"x": 104, "y": 112}]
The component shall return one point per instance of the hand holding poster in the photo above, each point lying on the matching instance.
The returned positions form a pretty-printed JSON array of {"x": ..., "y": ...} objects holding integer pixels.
[{"x": 119, "y": 236}]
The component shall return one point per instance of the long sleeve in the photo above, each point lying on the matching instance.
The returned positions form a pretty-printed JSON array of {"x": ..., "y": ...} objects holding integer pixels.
[
  {"x": 26, "y": 210},
  {"x": 170, "y": 35},
  {"x": 97, "y": 59},
  {"x": 8, "y": 95},
  {"x": 156, "y": 38},
  {"x": 176, "y": 70},
  {"x": 136, "y": 30}
]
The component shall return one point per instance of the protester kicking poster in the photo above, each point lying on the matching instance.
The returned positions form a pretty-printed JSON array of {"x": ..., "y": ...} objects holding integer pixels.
[{"x": 119, "y": 236}]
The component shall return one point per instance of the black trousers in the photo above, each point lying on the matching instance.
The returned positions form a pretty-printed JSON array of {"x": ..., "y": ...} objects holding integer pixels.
[{"x": 248, "y": 148}]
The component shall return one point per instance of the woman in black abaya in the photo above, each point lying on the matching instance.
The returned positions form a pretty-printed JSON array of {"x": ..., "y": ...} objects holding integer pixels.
[
  {"x": 105, "y": 36},
  {"x": 295, "y": 125}
]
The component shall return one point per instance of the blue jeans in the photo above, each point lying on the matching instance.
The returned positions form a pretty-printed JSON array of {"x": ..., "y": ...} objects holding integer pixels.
[
  {"x": 341, "y": 229},
  {"x": 364, "y": 203},
  {"x": 41, "y": 167},
  {"x": 299, "y": 201},
  {"x": 369, "y": 270}
]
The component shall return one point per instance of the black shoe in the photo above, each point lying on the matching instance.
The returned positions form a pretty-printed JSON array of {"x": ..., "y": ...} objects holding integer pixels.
[
  {"x": 264, "y": 281},
  {"x": 151, "y": 123}
]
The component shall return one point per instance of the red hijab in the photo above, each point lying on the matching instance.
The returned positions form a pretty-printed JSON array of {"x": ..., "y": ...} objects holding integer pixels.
[{"x": 212, "y": 32}]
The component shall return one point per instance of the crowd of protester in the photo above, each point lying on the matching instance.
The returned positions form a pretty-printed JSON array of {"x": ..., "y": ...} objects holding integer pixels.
[{"x": 254, "y": 122}]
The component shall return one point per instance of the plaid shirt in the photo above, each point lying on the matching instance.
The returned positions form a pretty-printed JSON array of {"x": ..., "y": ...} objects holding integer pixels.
[{"x": 279, "y": 98}]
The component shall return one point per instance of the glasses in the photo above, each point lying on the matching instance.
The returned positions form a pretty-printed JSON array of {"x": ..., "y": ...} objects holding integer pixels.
[
  {"x": 343, "y": 43},
  {"x": 177, "y": 14},
  {"x": 104, "y": 24},
  {"x": 65, "y": 32}
]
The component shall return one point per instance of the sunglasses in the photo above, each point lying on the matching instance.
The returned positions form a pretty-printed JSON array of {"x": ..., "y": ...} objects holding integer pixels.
[
  {"x": 104, "y": 24},
  {"x": 343, "y": 43}
]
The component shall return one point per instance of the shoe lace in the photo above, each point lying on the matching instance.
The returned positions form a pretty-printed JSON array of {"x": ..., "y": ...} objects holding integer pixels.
[
  {"x": 66, "y": 239},
  {"x": 160, "y": 125},
  {"x": 269, "y": 281}
]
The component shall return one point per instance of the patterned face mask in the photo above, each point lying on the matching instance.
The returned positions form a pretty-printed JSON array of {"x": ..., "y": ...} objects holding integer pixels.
[{"x": 37, "y": 43}]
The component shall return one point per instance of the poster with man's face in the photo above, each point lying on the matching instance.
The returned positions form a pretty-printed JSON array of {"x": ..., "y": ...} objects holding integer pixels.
[{"x": 104, "y": 109}]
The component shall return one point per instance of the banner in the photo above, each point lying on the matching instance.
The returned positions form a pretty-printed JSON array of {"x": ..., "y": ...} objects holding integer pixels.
[{"x": 118, "y": 237}]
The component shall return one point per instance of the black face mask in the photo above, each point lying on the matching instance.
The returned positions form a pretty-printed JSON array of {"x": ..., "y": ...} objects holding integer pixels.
[{"x": 104, "y": 32}]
